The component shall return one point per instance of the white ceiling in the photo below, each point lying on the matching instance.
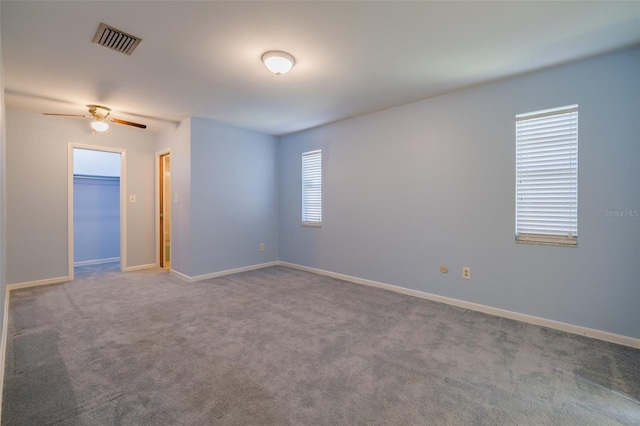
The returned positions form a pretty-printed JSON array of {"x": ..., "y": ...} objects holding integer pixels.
[{"x": 203, "y": 58}]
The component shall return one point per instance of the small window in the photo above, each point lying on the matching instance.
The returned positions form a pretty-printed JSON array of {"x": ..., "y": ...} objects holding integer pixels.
[
  {"x": 547, "y": 176},
  {"x": 312, "y": 188}
]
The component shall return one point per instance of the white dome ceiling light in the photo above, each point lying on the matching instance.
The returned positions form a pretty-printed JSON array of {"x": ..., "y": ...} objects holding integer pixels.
[
  {"x": 99, "y": 125},
  {"x": 278, "y": 62}
]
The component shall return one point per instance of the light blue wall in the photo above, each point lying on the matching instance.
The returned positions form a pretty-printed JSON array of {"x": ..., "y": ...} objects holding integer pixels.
[
  {"x": 432, "y": 183},
  {"x": 234, "y": 197},
  {"x": 96, "y": 218},
  {"x": 226, "y": 182},
  {"x": 37, "y": 182},
  {"x": 96, "y": 205},
  {"x": 405, "y": 191}
]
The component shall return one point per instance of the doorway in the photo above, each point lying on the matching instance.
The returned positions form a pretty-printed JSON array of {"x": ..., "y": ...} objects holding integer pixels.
[
  {"x": 164, "y": 192},
  {"x": 96, "y": 219}
]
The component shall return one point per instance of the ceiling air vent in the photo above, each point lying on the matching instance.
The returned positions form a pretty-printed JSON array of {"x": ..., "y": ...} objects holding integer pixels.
[{"x": 115, "y": 39}]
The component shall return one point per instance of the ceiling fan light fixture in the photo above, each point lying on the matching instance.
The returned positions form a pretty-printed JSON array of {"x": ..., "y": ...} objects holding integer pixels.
[
  {"x": 100, "y": 119},
  {"x": 99, "y": 125},
  {"x": 278, "y": 62}
]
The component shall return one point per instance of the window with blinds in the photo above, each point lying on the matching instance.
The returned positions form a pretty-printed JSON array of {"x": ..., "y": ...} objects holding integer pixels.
[
  {"x": 312, "y": 188},
  {"x": 547, "y": 176}
]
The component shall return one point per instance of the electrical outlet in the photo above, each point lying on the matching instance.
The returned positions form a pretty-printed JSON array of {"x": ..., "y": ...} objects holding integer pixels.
[
  {"x": 466, "y": 272},
  {"x": 262, "y": 247}
]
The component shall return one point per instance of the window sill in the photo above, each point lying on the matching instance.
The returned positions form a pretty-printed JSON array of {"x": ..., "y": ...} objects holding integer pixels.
[
  {"x": 547, "y": 240},
  {"x": 312, "y": 224}
]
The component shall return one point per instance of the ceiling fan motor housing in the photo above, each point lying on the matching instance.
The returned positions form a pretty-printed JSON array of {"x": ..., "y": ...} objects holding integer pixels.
[{"x": 99, "y": 111}]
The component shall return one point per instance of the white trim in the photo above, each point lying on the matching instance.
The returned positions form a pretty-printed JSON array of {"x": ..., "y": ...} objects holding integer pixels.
[
  {"x": 159, "y": 154},
  {"x": 11, "y": 287},
  {"x": 70, "y": 235},
  {"x": 180, "y": 275},
  {"x": 557, "y": 325},
  {"x": 223, "y": 273},
  {"x": 140, "y": 267},
  {"x": 96, "y": 261},
  {"x": 547, "y": 112},
  {"x": 123, "y": 202},
  {"x": 123, "y": 209},
  {"x": 3, "y": 343}
]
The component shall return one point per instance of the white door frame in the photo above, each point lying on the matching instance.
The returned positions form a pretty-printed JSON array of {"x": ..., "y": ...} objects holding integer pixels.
[
  {"x": 123, "y": 201},
  {"x": 157, "y": 203}
]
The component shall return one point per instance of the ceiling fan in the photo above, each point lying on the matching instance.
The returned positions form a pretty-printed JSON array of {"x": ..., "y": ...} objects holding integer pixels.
[{"x": 100, "y": 118}]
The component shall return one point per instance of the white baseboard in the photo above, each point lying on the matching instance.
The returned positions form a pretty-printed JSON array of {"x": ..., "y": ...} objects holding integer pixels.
[
  {"x": 96, "y": 261},
  {"x": 180, "y": 275},
  {"x": 37, "y": 283},
  {"x": 223, "y": 273},
  {"x": 557, "y": 325},
  {"x": 64, "y": 279},
  {"x": 141, "y": 267}
]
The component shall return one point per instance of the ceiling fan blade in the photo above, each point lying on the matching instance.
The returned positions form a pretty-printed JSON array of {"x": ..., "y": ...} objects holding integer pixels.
[
  {"x": 65, "y": 115},
  {"x": 128, "y": 123}
]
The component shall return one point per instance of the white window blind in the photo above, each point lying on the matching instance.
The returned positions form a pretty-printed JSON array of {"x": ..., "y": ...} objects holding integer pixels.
[
  {"x": 547, "y": 176},
  {"x": 312, "y": 188}
]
